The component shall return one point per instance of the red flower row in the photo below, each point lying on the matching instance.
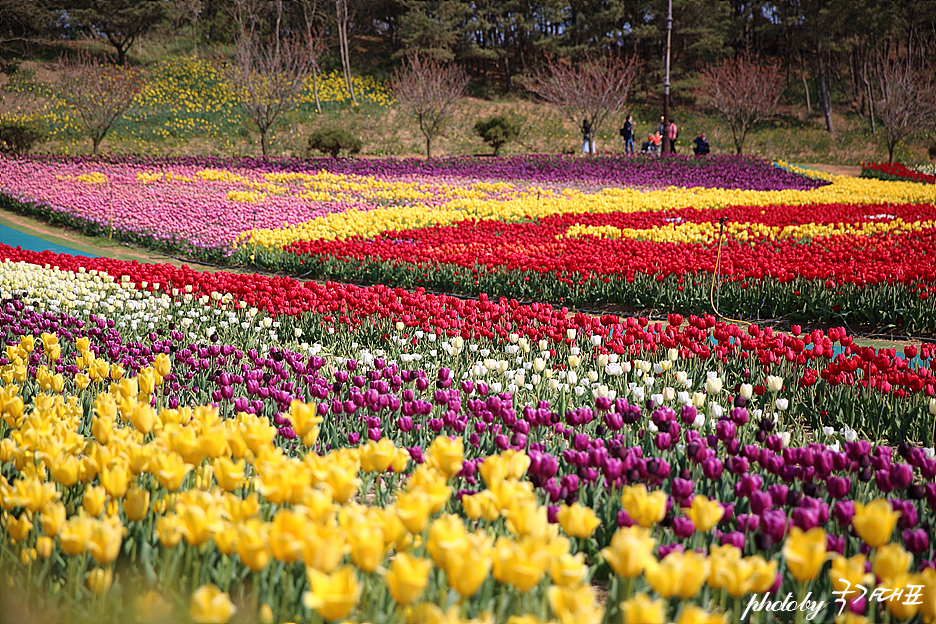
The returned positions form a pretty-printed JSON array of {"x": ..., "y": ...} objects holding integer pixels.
[
  {"x": 345, "y": 307},
  {"x": 898, "y": 170},
  {"x": 848, "y": 258}
]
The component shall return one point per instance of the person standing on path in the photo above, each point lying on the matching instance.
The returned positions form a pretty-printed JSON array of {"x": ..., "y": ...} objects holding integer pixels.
[
  {"x": 627, "y": 133},
  {"x": 672, "y": 133}
]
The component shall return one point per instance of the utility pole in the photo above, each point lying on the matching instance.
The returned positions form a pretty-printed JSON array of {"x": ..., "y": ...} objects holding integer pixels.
[{"x": 665, "y": 147}]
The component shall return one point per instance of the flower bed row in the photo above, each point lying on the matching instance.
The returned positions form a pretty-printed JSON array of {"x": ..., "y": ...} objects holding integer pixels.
[
  {"x": 894, "y": 171},
  {"x": 866, "y": 264},
  {"x": 171, "y": 453},
  {"x": 204, "y": 206}
]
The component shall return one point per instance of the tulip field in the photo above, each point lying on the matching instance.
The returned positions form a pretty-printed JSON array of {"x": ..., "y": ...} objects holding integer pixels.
[
  {"x": 642, "y": 233},
  {"x": 219, "y": 447}
]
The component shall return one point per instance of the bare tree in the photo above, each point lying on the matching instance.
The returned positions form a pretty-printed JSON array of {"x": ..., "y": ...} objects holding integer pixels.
[
  {"x": 743, "y": 91},
  {"x": 590, "y": 90},
  {"x": 268, "y": 78},
  {"x": 429, "y": 90},
  {"x": 98, "y": 92},
  {"x": 343, "y": 17},
  {"x": 907, "y": 101},
  {"x": 316, "y": 46},
  {"x": 189, "y": 10}
]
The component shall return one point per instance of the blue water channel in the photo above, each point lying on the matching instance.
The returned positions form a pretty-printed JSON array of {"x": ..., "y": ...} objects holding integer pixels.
[{"x": 15, "y": 238}]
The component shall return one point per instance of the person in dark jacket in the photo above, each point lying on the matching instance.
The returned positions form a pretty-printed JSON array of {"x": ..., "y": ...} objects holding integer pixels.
[
  {"x": 627, "y": 133},
  {"x": 700, "y": 145}
]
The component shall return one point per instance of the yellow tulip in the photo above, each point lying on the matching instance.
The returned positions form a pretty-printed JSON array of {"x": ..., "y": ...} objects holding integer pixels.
[
  {"x": 630, "y": 551},
  {"x": 169, "y": 530},
  {"x": 575, "y": 604},
  {"x": 225, "y": 537},
  {"x": 525, "y": 518},
  {"x": 115, "y": 480},
  {"x": 693, "y": 614},
  {"x": 577, "y": 520},
  {"x": 875, "y": 522},
  {"x": 705, "y": 514},
  {"x": 891, "y": 560},
  {"x": 446, "y": 455},
  {"x": 332, "y": 596},
  {"x": 520, "y": 564},
  {"x": 446, "y": 535},
  {"x": 142, "y": 417},
  {"x": 568, "y": 570},
  {"x": 846, "y": 573},
  {"x": 99, "y": 580},
  {"x": 902, "y": 608},
  {"x": 413, "y": 509},
  {"x": 105, "y": 540},
  {"x": 162, "y": 363},
  {"x": 44, "y": 546},
  {"x": 367, "y": 546},
  {"x": 467, "y": 568},
  {"x": 136, "y": 503},
  {"x": 764, "y": 575},
  {"x": 928, "y": 608},
  {"x": 481, "y": 505},
  {"x": 493, "y": 470},
  {"x": 253, "y": 547},
  {"x": 678, "y": 574},
  {"x": 323, "y": 547},
  {"x": 407, "y": 578},
  {"x": 146, "y": 379},
  {"x": 94, "y": 500},
  {"x": 209, "y": 605},
  {"x": 805, "y": 552},
  {"x": 377, "y": 456},
  {"x": 19, "y": 528},
  {"x": 645, "y": 509},
  {"x": 305, "y": 419},
  {"x": 170, "y": 470},
  {"x": 75, "y": 535},
  {"x": 641, "y": 610}
]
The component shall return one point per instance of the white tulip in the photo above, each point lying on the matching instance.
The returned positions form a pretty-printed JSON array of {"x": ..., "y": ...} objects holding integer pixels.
[
  {"x": 782, "y": 404},
  {"x": 774, "y": 383}
]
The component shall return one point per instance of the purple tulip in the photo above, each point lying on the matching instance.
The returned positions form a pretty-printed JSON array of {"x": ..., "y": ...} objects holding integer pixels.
[
  {"x": 916, "y": 541},
  {"x": 838, "y": 487},
  {"x": 843, "y": 511},
  {"x": 734, "y": 538},
  {"x": 712, "y": 469},
  {"x": 683, "y": 527}
]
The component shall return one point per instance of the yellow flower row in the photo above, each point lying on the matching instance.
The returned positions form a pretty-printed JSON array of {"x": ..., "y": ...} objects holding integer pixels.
[
  {"x": 538, "y": 203},
  {"x": 709, "y": 232}
]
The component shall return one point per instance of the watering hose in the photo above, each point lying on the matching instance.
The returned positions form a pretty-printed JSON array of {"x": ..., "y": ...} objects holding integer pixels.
[{"x": 721, "y": 233}]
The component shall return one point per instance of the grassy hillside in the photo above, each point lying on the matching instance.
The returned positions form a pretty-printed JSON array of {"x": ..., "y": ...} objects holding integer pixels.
[{"x": 188, "y": 109}]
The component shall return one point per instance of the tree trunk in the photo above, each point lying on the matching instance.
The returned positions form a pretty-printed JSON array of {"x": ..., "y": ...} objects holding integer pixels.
[
  {"x": 263, "y": 142},
  {"x": 341, "y": 7},
  {"x": 95, "y": 144},
  {"x": 315, "y": 93},
  {"x": 428, "y": 148},
  {"x": 824, "y": 95}
]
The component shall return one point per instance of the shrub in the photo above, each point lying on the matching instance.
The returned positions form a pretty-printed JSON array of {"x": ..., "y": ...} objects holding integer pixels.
[
  {"x": 498, "y": 130},
  {"x": 333, "y": 140},
  {"x": 932, "y": 151},
  {"x": 17, "y": 137}
]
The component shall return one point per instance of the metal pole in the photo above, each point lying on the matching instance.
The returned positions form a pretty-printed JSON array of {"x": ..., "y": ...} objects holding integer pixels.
[{"x": 665, "y": 147}]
